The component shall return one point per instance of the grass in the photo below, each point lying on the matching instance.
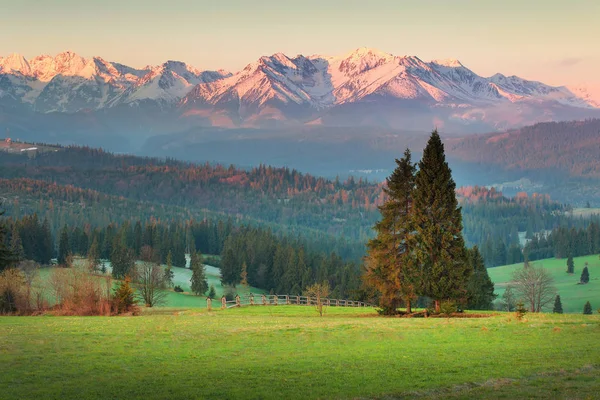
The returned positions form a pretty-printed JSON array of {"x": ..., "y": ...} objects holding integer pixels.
[
  {"x": 290, "y": 352},
  {"x": 572, "y": 295}
]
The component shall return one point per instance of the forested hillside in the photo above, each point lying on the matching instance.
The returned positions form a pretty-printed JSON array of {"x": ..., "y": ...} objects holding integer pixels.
[
  {"x": 572, "y": 148},
  {"x": 83, "y": 186},
  {"x": 560, "y": 158}
]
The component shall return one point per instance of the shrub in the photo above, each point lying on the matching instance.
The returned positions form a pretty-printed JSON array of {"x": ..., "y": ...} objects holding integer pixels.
[
  {"x": 78, "y": 293},
  {"x": 123, "y": 299},
  {"x": 587, "y": 308},
  {"x": 520, "y": 311},
  {"x": 178, "y": 289},
  {"x": 229, "y": 293},
  {"x": 448, "y": 307},
  {"x": 13, "y": 298},
  {"x": 212, "y": 292}
]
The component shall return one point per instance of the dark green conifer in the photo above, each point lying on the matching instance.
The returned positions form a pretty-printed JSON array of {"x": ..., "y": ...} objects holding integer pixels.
[
  {"x": 64, "y": 247},
  {"x": 585, "y": 276},
  {"x": 480, "y": 288},
  {"x": 199, "y": 285},
  {"x": 7, "y": 258},
  {"x": 437, "y": 229},
  {"x": 570, "y": 265},
  {"x": 587, "y": 308},
  {"x": 212, "y": 292},
  {"x": 558, "y": 309}
]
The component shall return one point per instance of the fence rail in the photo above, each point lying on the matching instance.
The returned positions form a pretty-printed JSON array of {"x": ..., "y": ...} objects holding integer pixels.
[{"x": 274, "y": 300}]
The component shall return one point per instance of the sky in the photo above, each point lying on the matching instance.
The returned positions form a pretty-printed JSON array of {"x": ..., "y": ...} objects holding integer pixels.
[{"x": 553, "y": 41}]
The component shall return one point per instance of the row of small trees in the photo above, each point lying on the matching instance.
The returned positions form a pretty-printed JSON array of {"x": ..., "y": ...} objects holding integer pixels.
[
  {"x": 419, "y": 249},
  {"x": 558, "y": 309}
]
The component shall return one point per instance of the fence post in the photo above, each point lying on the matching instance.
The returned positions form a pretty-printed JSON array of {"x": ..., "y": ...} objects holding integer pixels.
[
  {"x": 237, "y": 301},
  {"x": 298, "y": 299},
  {"x": 209, "y": 303},
  {"x": 337, "y": 302},
  {"x": 251, "y": 299},
  {"x": 223, "y": 302},
  {"x": 264, "y": 300},
  {"x": 275, "y": 298}
]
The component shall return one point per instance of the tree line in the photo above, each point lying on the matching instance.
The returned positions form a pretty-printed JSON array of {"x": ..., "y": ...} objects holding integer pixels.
[
  {"x": 277, "y": 263},
  {"x": 563, "y": 242},
  {"x": 79, "y": 185}
]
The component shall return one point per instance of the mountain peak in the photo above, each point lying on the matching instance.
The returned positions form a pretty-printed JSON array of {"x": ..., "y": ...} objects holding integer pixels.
[
  {"x": 448, "y": 62},
  {"x": 363, "y": 52},
  {"x": 15, "y": 63}
]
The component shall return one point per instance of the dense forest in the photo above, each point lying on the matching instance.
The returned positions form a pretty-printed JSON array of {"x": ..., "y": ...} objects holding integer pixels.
[
  {"x": 279, "y": 264},
  {"x": 564, "y": 242},
  {"x": 80, "y": 186}
]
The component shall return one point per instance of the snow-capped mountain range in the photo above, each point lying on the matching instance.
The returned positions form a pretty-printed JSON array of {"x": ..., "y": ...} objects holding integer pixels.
[{"x": 363, "y": 87}]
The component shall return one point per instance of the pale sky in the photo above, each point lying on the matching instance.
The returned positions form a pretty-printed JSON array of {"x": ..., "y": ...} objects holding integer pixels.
[{"x": 553, "y": 41}]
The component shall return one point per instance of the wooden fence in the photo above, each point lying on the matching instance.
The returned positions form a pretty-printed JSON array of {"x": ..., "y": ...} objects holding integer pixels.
[{"x": 274, "y": 300}]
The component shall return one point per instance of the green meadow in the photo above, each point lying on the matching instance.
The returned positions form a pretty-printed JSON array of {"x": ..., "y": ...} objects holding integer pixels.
[
  {"x": 290, "y": 352},
  {"x": 573, "y": 296}
]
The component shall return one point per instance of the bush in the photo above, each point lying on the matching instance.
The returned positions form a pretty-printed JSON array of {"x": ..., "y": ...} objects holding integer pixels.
[
  {"x": 13, "y": 299},
  {"x": 448, "y": 307},
  {"x": 587, "y": 309},
  {"x": 520, "y": 311},
  {"x": 178, "y": 289},
  {"x": 229, "y": 293},
  {"x": 123, "y": 299},
  {"x": 78, "y": 293}
]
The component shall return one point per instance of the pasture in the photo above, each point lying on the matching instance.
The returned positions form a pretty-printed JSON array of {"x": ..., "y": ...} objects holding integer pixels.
[
  {"x": 573, "y": 296},
  {"x": 290, "y": 352}
]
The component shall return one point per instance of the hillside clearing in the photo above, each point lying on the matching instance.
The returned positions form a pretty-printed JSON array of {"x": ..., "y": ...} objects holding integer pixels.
[{"x": 573, "y": 296}]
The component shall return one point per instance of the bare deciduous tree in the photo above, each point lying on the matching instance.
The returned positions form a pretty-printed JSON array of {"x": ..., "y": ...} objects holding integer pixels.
[
  {"x": 319, "y": 291},
  {"x": 149, "y": 279},
  {"x": 535, "y": 286}
]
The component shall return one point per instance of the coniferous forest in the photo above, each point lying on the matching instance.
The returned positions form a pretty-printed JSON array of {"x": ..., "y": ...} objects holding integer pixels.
[{"x": 79, "y": 186}]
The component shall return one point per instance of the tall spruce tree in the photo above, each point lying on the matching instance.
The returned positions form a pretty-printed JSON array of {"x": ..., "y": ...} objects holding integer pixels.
[
  {"x": 7, "y": 258},
  {"x": 64, "y": 247},
  {"x": 391, "y": 267},
  {"x": 587, "y": 308},
  {"x": 480, "y": 287},
  {"x": 437, "y": 228},
  {"x": 16, "y": 245},
  {"x": 199, "y": 285},
  {"x": 93, "y": 256},
  {"x": 558, "y": 309}
]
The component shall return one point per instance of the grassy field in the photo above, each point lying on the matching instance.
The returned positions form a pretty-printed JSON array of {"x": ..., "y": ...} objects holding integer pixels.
[
  {"x": 290, "y": 352},
  {"x": 182, "y": 278},
  {"x": 573, "y": 296}
]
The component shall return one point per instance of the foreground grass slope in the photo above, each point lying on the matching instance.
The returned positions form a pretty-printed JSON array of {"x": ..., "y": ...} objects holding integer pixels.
[
  {"x": 290, "y": 352},
  {"x": 573, "y": 296}
]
